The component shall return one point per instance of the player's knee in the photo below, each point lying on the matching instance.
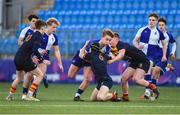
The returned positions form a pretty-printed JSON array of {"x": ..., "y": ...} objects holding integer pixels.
[
  {"x": 123, "y": 80},
  {"x": 70, "y": 75},
  {"x": 87, "y": 79},
  {"x": 135, "y": 80},
  {"x": 41, "y": 75},
  {"x": 92, "y": 98},
  {"x": 100, "y": 97},
  {"x": 156, "y": 71},
  {"x": 155, "y": 76},
  {"x": 18, "y": 80},
  {"x": 38, "y": 80}
]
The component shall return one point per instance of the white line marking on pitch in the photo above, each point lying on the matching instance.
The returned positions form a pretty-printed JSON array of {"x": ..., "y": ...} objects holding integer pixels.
[{"x": 101, "y": 106}]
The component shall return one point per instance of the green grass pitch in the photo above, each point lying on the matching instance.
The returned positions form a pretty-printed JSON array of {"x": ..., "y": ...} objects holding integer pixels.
[{"x": 58, "y": 99}]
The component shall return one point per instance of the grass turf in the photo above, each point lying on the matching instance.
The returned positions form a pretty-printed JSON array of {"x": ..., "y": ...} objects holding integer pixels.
[{"x": 58, "y": 98}]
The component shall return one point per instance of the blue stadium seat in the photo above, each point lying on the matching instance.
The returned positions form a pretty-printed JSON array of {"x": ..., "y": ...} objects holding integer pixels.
[
  {"x": 172, "y": 12},
  {"x": 125, "y": 19},
  {"x": 41, "y": 13},
  {"x": 114, "y": 5},
  {"x": 143, "y": 5},
  {"x": 110, "y": 19},
  {"x": 121, "y": 5},
  {"x": 164, "y": 12},
  {"x": 174, "y": 4},
  {"x": 117, "y": 19},
  {"x": 54, "y": 13},
  {"x": 139, "y": 19},
  {"x": 158, "y": 4},
  {"x": 94, "y": 19},
  {"x": 170, "y": 26},
  {"x": 136, "y": 5},
  {"x": 132, "y": 19},
  {"x": 165, "y": 4},
  {"x": 170, "y": 19},
  {"x": 151, "y": 4},
  {"x": 176, "y": 20},
  {"x": 128, "y": 5}
]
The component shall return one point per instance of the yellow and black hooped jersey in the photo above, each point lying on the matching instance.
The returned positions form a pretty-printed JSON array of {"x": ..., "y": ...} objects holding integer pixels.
[{"x": 114, "y": 51}]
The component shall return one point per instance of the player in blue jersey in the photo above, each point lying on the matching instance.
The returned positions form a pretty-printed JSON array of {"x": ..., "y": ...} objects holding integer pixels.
[
  {"x": 170, "y": 41},
  {"x": 49, "y": 41},
  {"x": 147, "y": 39},
  {"x": 28, "y": 30},
  {"x": 138, "y": 67},
  {"x": 78, "y": 63},
  {"x": 170, "y": 52}
]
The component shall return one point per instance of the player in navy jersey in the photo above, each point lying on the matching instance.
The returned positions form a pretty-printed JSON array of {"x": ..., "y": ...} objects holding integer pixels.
[
  {"x": 49, "y": 40},
  {"x": 138, "y": 67},
  {"x": 147, "y": 39},
  {"x": 28, "y": 31},
  {"x": 98, "y": 61},
  {"x": 78, "y": 63},
  {"x": 27, "y": 58}
]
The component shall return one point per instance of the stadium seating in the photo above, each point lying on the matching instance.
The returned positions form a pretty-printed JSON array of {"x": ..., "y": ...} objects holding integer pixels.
[{"x": 123, "y": 16}]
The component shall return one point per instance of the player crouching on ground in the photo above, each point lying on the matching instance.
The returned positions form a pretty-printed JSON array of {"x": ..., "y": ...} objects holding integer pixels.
[{"x": 98, "y": 61}]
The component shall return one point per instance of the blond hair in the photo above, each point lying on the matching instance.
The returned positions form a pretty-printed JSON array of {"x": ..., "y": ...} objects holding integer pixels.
[
  {"x": 107, "y": 32},
  {"x": 50, "y": 21}
]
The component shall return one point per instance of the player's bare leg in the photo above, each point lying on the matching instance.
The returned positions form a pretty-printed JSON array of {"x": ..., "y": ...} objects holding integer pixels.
[
  {"x": 155, "y": 74},
  {"x": 105, "y": 95},
  {"x": 37, "y": 80},
  {"x": 27, "y": 78},
  {"x": 19, "y": 78},
  {"x": 73, "y": 70},
  {"x": 43, "y": 68},
  {"x": 94, "y": 95},
  {"x": 127, "y": 74},
  {"x": 138, "y": 78},
  {"x": 149, "y": 79},
  {"x": 85, "y": 83}
]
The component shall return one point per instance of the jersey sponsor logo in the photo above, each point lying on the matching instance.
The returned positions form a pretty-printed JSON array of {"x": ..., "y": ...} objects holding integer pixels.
[
  {"x": 102, "y": 83},
  {"x": 140, "y": 65},
  {"x": 155, "y": 33},
  {"x": 73, "y": 61},
  {"x": 29, "y": 33}
]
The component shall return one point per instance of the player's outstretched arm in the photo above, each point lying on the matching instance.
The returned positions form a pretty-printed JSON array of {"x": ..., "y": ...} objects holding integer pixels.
[
  {"x": 164, "y": 50},
  {"x": 57, "y": 55},
  {"x": 172, "y": 54},
  {"x": 118, "y": 57},
  {"x": 83, "y": 50},
  {"x": 136, "y": 43}
]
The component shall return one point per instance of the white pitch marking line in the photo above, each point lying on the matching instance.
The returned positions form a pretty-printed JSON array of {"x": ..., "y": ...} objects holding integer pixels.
[{"x": 101, "y": 106}]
